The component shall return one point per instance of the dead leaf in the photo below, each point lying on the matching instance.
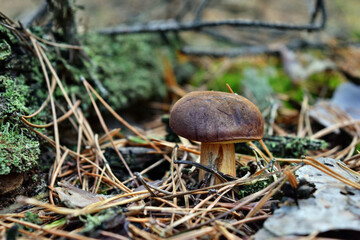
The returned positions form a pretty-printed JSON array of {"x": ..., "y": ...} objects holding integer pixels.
[
  {"x": 74, "y": 197},
  {"x": 329, "y": 210}
]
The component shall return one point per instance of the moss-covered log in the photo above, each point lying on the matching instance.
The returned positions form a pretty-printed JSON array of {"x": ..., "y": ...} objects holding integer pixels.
[
  {"x": 287, "y": 146},
  {"x": 19, "y": 147}
]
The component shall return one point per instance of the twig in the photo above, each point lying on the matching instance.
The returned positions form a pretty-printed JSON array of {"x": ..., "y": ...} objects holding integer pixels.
[
  {"x": 319, "y": 7},
  {"x": 200, "y": 9},
  {"x": 232, "y": 52},
  {"x": 218, "y": 174},
  {"x": 175, "y": 26},
  {"x": 141, "y": 179},
  {"x": 250, "y": 50}
]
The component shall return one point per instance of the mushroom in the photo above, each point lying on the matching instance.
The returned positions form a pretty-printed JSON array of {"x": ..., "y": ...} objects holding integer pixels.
[{"x": 217, "y": 120}]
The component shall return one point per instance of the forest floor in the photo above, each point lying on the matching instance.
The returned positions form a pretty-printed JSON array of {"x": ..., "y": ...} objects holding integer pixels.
[{"x": 111, "y": 168}]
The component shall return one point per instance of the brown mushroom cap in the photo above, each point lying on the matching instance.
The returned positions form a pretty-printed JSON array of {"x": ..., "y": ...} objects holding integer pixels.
[{"x": 210, "y": 116}]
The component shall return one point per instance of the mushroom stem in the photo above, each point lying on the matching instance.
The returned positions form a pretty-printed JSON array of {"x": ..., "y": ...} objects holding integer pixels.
[{"x": 224, "y": 154}]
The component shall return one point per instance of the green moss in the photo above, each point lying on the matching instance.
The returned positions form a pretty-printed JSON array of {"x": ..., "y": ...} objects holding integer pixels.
[
  {"x": 331, "y": 80},
  {"x": 5, "y": 49},
  {"x": 127, "y": 66},
  {"x": 231, "y": 78},
  {"x": 286, "y": 146},
  {"x": 7, "y": 35},
  {"x": 19, "y": 150},
  {"x": 198, "y": 78},
  {"x": 21, "y": 93},
  {"x": 102, "y": 220},
  {"x": 14, "y": 95},
  {"x": 248, "y": 189},
  {"x": 31, "y": 218}
]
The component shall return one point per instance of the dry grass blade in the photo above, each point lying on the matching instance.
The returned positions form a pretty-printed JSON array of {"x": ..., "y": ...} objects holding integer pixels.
[
  {"x": 50, "y": 207},
  {"x": 44, "y": 104},
  {"x": 205, "y": 231},
  {"x": 56, "y": 130},
  {"x": 332, "y": 128},
  {"x": 27, "y": 234},
  {"x": 106, "y": 129},
  {"x": 302, "y": 117},
  {"x": 123, "y": 187},
  {"x": 142, "y": 233},
  {"x": 72, "y": 153},
  {"x": 349, "y": 150},
  {"x": 55, "y": 232},
  {"x": 60, "y": 45},
  {"x": 240, "y": 204},
  {"x": 113, "y": 235},
  {"x": 173, "y": 145},
  {"x": 78, "y": 149},
  {"x": 64, "y": 92},
  {"x": 227, "y": 234},
  {"x": 264, "y": 199},
  {"x": 56, "y": 170},
  {"x": 59, "y": 120},
  {"x": 259, "y": 151},
  {"x": 118, "y": 117},
  {"x": 229, "y": 88}
]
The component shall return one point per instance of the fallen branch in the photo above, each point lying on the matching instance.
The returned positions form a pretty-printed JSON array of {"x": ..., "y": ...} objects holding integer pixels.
[{"x": 174, "y": 26}]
